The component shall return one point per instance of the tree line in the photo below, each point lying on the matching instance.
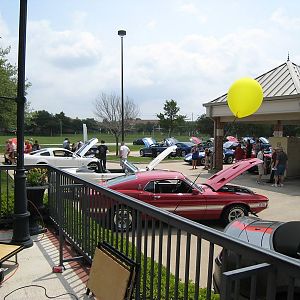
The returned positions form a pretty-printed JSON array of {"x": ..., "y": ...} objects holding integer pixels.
[{"x": 108, "y": 115}]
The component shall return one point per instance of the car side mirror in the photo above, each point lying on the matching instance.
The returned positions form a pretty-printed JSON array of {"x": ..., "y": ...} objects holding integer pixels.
[{"x": 195, "y": 192}]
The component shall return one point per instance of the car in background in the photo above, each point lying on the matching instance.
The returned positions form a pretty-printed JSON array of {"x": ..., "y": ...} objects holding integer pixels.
[
  {"x": 281, "y": 237},
  {"x": 183, "y": 148},
  {"x": 153, "y": 149},
  {"x": 129, "y": 168},
  {"x": 228, "y": 157},
  {"x": 60, "y": 157},
  {"x": 265, "y": 144},
  {"x": 174, "y": 192}
]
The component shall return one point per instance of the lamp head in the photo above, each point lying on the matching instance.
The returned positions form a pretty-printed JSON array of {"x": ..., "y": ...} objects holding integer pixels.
[{"x": 121, "y": 33}]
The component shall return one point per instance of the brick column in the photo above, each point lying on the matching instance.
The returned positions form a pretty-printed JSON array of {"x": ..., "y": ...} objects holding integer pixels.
[{"x": 218, "y": 144}]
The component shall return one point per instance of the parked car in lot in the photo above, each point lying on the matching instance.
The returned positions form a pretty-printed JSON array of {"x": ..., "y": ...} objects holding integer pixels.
[
  {"x": 60, "y": 157},
  {"x": 183, "y": 148},
  {"x": 228, "y": 157},
  {"x": 129, "y": 168},
  {"x": 152, "y": 148},
  {"x": 173, "y": 191},
  {"x": 282, "y": 237}
]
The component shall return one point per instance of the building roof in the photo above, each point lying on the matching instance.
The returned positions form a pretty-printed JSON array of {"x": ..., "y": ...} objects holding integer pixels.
[{"x": 279, "y": 82}]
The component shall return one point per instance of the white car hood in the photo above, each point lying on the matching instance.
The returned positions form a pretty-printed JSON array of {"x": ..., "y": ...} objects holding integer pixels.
[
  {"x": 160, "y": 157},
  {"x": 86, "y": 147}
]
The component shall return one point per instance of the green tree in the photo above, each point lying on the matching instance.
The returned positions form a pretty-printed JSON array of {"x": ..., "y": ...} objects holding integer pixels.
[
  {"x": 205, "y": 125},
  {"x": 170, "y": 119},
  {"x": 108, "y": 108},
  {"x": 8, "y": 88}
]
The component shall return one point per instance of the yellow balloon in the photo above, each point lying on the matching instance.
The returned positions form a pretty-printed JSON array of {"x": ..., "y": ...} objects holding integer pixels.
[{"x": 244, "y": 97}]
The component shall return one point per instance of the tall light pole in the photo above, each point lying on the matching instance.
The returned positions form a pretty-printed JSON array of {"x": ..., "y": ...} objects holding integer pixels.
[
  {"x": 122, "y": 33},
  {"x": 21, "y": 222}
]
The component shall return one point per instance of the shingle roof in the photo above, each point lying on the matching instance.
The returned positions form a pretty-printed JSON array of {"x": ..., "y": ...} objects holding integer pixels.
[{"x": 281, "y": 81}]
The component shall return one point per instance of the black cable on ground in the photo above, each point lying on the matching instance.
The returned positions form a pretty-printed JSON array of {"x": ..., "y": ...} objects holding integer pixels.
[{"x": 40, "y": 286}]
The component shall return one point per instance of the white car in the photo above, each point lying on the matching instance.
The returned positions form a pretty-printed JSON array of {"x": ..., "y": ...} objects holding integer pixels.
[
  {"x": 129, "y": 168},
  {"x": 63, "y": 158}
]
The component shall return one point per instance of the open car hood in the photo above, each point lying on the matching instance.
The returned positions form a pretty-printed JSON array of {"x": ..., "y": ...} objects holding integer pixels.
[
  {"x": 195, "y": 140},
  {"x": 86, "y": 147},
  {"x": 148, "y": 142},
  {"x": 221, "y": 178},
  {"x": 160, "y": 157}
]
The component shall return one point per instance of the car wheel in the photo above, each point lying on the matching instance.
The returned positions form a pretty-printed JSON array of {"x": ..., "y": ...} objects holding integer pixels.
[
  {"x": 233, "y": 212},
  {"x": 202, "y": 161},
  {"x": 122, "y": 219},
  {"x": 229, "y": 159},
  {"x": 93, "y": 166},
  {"x": 183, "y": 153},
  {"x": 142, "y": 153}
]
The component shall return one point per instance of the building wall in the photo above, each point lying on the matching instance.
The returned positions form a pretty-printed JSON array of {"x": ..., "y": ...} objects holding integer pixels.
[{"x": 291, "y": 146}]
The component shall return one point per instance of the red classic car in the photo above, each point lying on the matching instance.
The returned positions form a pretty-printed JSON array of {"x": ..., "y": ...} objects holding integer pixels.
[{"x": 172, "y": 191}]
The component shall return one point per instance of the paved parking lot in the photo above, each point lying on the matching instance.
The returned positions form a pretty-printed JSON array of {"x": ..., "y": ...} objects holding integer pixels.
[{"x": 284, "y": 205}]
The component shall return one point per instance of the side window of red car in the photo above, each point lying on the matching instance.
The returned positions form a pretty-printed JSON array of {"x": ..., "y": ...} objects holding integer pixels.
[{"x": 149, "y": 187}]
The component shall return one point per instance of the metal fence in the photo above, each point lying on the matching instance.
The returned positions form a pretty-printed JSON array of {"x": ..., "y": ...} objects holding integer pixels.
[{"x": 176, "y": 256}]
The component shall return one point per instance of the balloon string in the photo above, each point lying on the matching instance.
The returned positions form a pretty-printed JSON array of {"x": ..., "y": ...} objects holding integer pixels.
[{"x": 231, "y": 125}]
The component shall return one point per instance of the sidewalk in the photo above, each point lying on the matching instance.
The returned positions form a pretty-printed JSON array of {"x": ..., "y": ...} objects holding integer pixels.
[{"x": 35, "y": 268}]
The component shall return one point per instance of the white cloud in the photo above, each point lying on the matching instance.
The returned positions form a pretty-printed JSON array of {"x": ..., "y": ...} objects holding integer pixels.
[
  {"x": 68, "y": 68},
  {"x": 280, "y": 17},
  {"x": 191, "y": 9},
  {"x": 152, "y": 24}
]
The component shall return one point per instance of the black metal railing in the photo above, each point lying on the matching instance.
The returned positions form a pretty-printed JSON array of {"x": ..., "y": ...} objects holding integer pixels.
[{"x": 176, "y": 255}]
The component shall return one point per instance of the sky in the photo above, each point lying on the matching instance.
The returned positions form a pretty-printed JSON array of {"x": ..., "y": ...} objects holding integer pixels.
[{"x": 189, "y": 51}]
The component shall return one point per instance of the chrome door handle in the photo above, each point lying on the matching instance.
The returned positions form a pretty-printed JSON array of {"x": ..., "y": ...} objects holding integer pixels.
[{"x": 156, "y": 197}]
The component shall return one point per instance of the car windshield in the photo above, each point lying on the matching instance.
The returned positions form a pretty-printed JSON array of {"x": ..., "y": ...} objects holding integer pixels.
[
  {"x": 129, "y": 167},
  {"x": 194, "y": 185},
  {"x": 120, "y": 179},
  {"x": 36, "y": 151}
]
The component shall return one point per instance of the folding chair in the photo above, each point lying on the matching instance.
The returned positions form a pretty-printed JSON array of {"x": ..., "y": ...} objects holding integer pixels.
[{"x": 112, "y": 275}]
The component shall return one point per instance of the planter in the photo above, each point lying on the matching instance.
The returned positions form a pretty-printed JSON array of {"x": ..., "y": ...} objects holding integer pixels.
[{"x": 35, "y": 196}]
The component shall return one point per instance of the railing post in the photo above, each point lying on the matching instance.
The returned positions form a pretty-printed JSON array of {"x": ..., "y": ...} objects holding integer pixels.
[{"x": 60, "y": 218}]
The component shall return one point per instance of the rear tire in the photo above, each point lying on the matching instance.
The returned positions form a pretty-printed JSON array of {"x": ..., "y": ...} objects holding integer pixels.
[
  {"x": 229, "y": 160},
  {"x": 142, "y": 153},
  {"x": 183, "y": 153},
  {"x": 94, "y": 166},
  {"x": 234, "y": 212},
  {"x": 122, "y": 219},
  {"x": 202, "y": 161}
]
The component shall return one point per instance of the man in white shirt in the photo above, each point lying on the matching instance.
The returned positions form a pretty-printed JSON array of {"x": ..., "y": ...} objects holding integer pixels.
[{"x": 124, "y": 153}]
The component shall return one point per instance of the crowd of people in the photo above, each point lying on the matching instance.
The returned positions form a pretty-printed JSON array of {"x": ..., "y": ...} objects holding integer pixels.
[
  {"x": 279, "y": 161},
  {"x": 10, "y": 155}
]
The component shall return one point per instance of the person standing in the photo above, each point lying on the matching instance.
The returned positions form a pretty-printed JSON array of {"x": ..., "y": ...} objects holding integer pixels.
[
  {"x": 195, "y": 156},
  {"x": 66, "y": 144},
  {"x": 248, "y": 149},
  {"x": 257, "y": 147},
  {"x": 239, "y": 153},
  {"x": 101, "y": 155},
  {"x": 36, "y": 146},
  {"x": 124, "y": 153},
  {"x": 12, "y": 149},
  {"x": 273, "y": 161},
  {"x": 260, "y": 155},
  {"x": 280, "y": 167},
  {"x": 28, "y": 147}
]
